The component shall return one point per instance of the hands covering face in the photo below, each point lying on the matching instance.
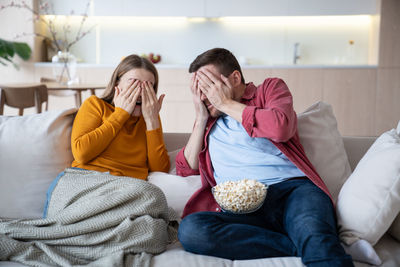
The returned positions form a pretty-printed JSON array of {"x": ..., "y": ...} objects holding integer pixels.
[
  {"x": 207, "y": 87},
  {"x": 151, "y": 106},
  {"x": 128, "y": 99},
  {"x": 218, "y": 90}
]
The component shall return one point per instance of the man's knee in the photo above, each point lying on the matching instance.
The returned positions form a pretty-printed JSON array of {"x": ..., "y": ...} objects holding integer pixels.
[{"x": 194, "y": 233}]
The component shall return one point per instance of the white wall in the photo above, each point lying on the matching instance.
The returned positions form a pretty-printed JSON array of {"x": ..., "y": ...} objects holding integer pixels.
[
  {"x": 15, "y": 21},
  {"x": 261, "y": 40}
]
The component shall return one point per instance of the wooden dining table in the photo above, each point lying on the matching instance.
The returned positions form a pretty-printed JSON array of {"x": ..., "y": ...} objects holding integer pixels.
[{"x": 54, "y": 86}]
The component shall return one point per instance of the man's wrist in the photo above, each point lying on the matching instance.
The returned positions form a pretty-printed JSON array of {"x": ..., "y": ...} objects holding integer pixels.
[
  {"x": 233, "y": 109},
  {"x": 200, "y": 123},
  {"x": 226, "y": 105}
]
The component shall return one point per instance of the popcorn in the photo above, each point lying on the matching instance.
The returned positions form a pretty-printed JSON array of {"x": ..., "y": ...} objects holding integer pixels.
[{"x": 242, "y": 196}]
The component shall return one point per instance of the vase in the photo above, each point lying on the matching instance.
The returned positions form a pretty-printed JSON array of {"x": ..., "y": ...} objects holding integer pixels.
[{"x": 64, "y": 67}]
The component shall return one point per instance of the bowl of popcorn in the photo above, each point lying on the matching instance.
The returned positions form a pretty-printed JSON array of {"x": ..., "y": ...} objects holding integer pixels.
[{"x": 243, "y": 196}]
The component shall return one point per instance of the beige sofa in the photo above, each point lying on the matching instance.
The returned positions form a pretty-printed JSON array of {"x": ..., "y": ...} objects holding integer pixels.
[{"x": 35, "y": 148}]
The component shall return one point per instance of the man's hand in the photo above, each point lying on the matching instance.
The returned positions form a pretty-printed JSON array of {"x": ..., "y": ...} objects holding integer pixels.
[
  {"x": 151, "y": 106},
  {"x": 200, "y": 108},
  {"x": 218, "y": 90},
  {"x": 126, "y": 99}
]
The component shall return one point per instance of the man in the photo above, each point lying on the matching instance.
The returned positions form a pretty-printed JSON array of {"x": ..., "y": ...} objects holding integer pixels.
[{"x": 243, "y": 131}]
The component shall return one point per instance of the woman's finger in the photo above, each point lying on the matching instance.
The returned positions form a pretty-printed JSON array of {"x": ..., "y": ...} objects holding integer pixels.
[
  {"x": 133, "y": 92},
  {"x": 151, "y": 91},
  {"x": 160, "y": 101},
  {"x": 116, "y": 93},
  {"x": 134, "y": 97},
  {"x": 144, "y": 97},
  {"x": 148, "y": 94},
  {"x": 131, "y": 88}
]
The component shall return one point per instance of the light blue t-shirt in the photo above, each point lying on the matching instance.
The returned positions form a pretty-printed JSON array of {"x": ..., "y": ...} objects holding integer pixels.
[{"x": 235, "y": 155}]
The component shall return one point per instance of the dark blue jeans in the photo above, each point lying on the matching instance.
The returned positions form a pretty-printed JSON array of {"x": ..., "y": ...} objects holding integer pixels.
[{"x": 297, "y": 219}]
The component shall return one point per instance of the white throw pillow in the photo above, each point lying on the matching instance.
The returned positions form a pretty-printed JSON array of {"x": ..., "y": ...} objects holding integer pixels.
[
  {"x": 324, "y": 146},
  {"x": 34, "y": 149},
  {"x": 177, "y": 189},
  {"x": 369, "y": 201}
]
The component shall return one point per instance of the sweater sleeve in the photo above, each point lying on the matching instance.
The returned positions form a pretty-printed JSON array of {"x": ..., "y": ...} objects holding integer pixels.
[
  {"x": 275, "y": 117},
  {"x": 91, "y": 133},
  {"x": 157, "y": 154}
]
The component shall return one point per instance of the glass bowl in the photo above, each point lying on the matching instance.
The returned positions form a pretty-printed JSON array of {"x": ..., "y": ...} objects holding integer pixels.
[{"x": 240, "y": 197}]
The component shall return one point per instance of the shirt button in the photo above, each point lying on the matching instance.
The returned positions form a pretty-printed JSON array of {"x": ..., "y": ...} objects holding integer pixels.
[
  {"x": 206, "y": 128},
  {"x": 217, "y": 209}
]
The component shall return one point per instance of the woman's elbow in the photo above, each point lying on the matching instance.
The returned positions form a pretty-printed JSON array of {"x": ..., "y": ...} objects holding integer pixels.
[
  {"x": 166, "y": 167},
  {"x": 80, "y": 155},
  {"x": 160, "y": 167}
]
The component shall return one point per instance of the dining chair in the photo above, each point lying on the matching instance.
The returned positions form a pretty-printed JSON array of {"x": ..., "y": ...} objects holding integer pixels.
[
  {"x": 22, "y": 97},
  {"x": 61, "y": 92}
]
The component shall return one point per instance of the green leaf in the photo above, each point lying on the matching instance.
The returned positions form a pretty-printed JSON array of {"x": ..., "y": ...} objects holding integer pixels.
[
  {"x": 7, "y": 47},
  {"x": 23, "y": 50}
]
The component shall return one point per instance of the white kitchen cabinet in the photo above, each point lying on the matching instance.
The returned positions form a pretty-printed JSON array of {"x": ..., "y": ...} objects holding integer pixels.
[
  {"x": 62, "y": 7},
  {"x": 189, "y": 8},
  {"x": 107, "y": 8},
  {"x": 218, "y": 8},
  {"x": 186, "y": 8},
  {"x": 224, "y": 8},
  {"x": 337, "y": 7}
]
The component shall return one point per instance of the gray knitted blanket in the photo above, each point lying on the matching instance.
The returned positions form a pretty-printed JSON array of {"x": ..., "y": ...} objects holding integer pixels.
[{"x": 93, "y": 219}]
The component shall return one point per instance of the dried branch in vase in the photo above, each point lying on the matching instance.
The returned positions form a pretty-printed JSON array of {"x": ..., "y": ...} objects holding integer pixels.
[{"x": 56, "y": 39}]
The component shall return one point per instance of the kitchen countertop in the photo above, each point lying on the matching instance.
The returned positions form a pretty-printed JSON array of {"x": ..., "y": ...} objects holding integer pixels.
[{"x": 186, "y": 66}]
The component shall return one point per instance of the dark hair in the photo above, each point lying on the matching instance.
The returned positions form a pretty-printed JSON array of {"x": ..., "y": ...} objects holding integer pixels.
[
  {"x": 222, "y": 58},
  {"x": 127, "y": 64}
]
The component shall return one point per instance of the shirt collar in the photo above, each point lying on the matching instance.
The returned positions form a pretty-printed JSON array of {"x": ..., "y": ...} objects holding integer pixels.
[{"x": 250, "y": 91}]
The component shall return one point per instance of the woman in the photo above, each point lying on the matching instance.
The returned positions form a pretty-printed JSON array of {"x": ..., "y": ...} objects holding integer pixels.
[{"x": 121, "y": 132}]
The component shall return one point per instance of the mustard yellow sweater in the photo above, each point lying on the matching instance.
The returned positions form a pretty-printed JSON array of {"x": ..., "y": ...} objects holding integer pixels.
[{"x": 106, "y": 138}]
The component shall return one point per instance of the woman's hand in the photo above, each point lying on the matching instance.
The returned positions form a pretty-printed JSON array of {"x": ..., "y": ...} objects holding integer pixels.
[
  {"x": 151, "y": 106},
  {"x": 126, "y": 99},
  {"x": 200, "y": 108}
]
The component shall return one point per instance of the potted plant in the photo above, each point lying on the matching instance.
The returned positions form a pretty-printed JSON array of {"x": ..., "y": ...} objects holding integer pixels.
[{"x": 9, "y": 48}]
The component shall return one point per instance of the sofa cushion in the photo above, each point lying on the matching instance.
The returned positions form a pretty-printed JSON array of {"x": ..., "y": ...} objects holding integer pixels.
[
  {"x": 34, "y": 149},
  {"x": 324, "y": 146},
  {"x": 369, "y": 201}
]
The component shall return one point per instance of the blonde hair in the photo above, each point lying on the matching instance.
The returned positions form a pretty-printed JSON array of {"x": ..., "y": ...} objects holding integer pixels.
[{"x": 128, "y": 63}]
